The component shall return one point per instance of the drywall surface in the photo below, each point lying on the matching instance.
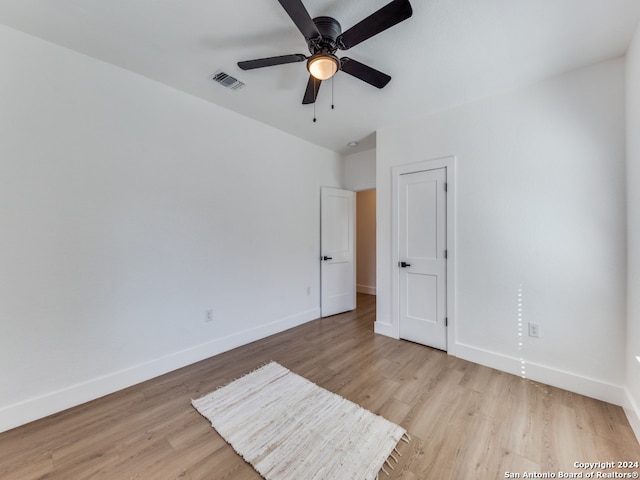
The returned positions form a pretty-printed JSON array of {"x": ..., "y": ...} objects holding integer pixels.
[
  {"x": 127, "y": 211},
  {"x": 541, "y": 212},
  {"x": 360, "y": 170},
  {"x": 633, "y": 231}
]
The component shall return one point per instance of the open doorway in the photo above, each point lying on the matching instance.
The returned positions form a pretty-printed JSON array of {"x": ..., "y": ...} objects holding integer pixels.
[{"x": 366, "y": 242}]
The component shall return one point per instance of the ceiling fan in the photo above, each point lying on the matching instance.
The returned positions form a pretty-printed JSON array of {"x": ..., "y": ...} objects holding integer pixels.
[{"x": 324, "y": 36}]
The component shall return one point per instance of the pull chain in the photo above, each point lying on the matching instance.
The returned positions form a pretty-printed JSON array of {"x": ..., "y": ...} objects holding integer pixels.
[
  {"x": 332, "y": 92},
  {"x": 315, "y": 97},
  {"x": 315, "y": 93}
]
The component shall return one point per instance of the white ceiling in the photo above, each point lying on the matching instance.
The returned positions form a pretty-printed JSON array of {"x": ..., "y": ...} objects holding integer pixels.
[{"x": 450, "y": 52}]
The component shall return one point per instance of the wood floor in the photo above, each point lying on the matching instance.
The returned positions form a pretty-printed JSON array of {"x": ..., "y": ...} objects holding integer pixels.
[{"x": 466, "y": 421}]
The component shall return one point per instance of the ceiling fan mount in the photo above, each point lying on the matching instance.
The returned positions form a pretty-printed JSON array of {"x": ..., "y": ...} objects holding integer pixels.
[{"x": 324, "y": 37}]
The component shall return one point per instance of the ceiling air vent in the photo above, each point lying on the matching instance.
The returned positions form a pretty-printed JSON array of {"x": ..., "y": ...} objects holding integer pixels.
[{"x": 227, "y": 80}]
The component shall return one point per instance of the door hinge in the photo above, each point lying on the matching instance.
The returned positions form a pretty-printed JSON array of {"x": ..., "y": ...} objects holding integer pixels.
[
  {"x": 446, "y": 321},
  {"x": 446, "y": 254},
  {"x": 446, "y": 187}
]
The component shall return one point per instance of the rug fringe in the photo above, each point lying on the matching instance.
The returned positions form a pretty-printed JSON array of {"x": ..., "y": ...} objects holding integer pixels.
[{"x": 406, "y": 438}]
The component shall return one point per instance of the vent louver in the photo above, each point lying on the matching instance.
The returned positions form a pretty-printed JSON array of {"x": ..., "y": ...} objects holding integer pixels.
[{"x": 227, "y": 80}]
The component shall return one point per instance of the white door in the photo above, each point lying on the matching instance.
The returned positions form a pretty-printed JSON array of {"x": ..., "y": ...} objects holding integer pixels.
[
  {"x": 338, "y": 282},
  {"x": 422, "y": 246}
]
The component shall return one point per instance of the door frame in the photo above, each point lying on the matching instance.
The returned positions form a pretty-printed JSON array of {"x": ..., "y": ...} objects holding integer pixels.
[{"x": 449, "y": 163}]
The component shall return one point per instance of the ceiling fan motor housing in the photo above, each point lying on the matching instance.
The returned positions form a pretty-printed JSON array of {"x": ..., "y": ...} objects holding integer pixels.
[{"x": 330, "y": 30}]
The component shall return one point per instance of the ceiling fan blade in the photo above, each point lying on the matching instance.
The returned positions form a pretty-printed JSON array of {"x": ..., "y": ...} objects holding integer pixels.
[
  {"x": 364, "y": 72},
  {"x": 271, "y": 61},
  {"x": 388, "y": 16},
  {"x": 310, "y": 95},
  {"x": 301, "y": 18}
]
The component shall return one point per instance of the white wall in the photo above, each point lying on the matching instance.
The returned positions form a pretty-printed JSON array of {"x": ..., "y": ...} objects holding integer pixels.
[
  {"x": 360, "y": 170},
  {"x": 127, "y": 209},
  {"x": 633, "y": 226},
  {"x": 540, "y": 204}
]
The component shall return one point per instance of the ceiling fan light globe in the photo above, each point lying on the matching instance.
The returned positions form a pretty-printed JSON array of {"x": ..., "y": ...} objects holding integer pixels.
[{"x": 323, "y": 67}]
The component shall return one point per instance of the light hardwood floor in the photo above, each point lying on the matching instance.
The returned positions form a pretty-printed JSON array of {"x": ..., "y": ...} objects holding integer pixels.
[{"x": 466, "y": 421}]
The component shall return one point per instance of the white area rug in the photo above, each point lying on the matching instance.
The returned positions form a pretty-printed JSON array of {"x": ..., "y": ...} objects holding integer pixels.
[{"x": 287, "y": 427}]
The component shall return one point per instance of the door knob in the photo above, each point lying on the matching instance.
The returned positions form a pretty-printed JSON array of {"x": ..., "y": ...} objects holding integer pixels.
[
  {"x": 404, "y": 264},
  {"x": 325, "y": 258}
]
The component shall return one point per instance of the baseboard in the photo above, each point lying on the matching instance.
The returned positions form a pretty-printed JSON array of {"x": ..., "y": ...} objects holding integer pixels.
[
  {"x": 589, "y": 387},
  {"x": 35, "y": 408},
  {"x": 633, "y": 413},
  {"x": 369, "y": 290}
]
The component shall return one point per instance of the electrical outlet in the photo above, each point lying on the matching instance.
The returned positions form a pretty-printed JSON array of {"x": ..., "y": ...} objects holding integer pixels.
[
  {"x": 208, "y": 316},
  {"x": 534, "y": 330}
]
